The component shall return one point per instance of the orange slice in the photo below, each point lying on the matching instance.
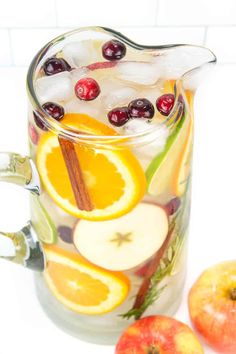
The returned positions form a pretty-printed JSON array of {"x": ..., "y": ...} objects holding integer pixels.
[
  {"x": 114, "y": 178},
  {"x": 184, "y": 164},
  {"x": 81, "y": 286}
]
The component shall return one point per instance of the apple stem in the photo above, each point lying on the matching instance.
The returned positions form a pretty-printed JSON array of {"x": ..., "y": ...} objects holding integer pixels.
[
  {"x": 232, "y": 294},
  {"x": 153, "y": 350}
]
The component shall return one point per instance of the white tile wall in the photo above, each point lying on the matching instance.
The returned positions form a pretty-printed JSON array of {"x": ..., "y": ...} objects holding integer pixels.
[
  {"x": 164, "y": 35},
  {"x": 196, "y": 12},
  {"x": 26, "y": 43},
  {"x": 26, "y": 25},
  {"x": 5, "y": 52},
  {"x": 28, "y": 13},
  {"x": 106, "y": 12},
  {"x": 222, "y": 40}
]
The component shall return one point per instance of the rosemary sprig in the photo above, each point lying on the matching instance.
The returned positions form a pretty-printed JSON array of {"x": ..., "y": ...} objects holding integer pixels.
[
  {"x": 152, "y": 295},
  {"x": 164, "y": 261},
  {"x": 165, "y": 268}
]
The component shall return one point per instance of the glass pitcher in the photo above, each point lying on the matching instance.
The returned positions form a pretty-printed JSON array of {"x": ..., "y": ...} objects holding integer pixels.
[{"x": 109, "y": 176}]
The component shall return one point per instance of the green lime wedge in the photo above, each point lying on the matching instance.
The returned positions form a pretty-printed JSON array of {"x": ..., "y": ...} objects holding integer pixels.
[
  {"x": 42, "y": 222},
  {"x": 160, "y": 172}
]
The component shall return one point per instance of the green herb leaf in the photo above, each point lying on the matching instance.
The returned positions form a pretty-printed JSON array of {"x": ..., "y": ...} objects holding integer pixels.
[{"x": 167, "y": 263}]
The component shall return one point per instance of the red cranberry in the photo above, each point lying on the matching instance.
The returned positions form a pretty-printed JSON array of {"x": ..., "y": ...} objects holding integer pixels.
[
  {"x": 172, "y": 206},
  {"x": 54, "y": 110},
  {"x": 39, "y": 121},
  {"x": 34, "y": 136},
  {"x": 65, "y": 233},
  {"x": 54, "y": 66},
  {"x": 118, "y": 116},
  {"x": 87, "y": 89},
  {"x": 113, "y": 50},
  {"x": 165, "y": 103},
  {"x": 141, "y": 108}
]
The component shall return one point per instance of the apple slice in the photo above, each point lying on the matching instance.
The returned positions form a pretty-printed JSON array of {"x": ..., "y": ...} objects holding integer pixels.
[
  {"x": 123, "y": 243},
  {"x": 101, "y": 65},
  {"x": 160, "y": 172}
]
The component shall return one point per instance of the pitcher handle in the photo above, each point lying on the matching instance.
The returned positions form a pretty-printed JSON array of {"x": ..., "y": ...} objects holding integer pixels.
[{"x": 21, "y": 247}]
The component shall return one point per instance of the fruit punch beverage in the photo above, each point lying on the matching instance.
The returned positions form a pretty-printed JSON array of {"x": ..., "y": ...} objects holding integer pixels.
[{"x": 111, "y": 134}]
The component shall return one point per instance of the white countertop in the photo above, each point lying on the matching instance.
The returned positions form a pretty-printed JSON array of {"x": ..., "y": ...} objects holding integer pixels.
[{"x": 24, "y": 327}]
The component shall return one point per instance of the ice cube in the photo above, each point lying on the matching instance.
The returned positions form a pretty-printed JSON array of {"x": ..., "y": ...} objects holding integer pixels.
[
  {"x": 153, "y": 143},
  {"x": 134, "y": 126},
  {"x": 177, "y": 61},
  {"x": 54, "y": 88},
  {"x": 89, "y": 107},
  {"x": 118, "y": 97},
  {"x": 151, "y": 94},
  {"x": 80, "y": 53},
  {"x": 78, "y": 73},
  {"x": 193, "y": 79},
  {"x": 138, "y": 72}
]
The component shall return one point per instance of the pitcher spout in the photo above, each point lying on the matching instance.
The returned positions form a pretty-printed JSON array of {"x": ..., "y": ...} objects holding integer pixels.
[{"x": 188, "y": 63}]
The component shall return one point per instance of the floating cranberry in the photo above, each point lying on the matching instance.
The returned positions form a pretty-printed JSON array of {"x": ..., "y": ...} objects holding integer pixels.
[
  {"x": 54, "y": 110},
  {"x": 39, "y": 121},
  {"x": 141, "y": 108},
  {"x": 172, "y": 206},
  {"x": 165, "y": 103},
  {"x": 87, "y": 89},
  {"x": 54, "y": 66},
  {"x": 118, "y": 116},
  {"x": 113, "y": 50},
  {"x": 34, "y": 136},
  {"x": 65, "y": 233}
]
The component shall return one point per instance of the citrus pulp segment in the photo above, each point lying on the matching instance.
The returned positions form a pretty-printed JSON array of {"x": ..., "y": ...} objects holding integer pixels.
[
  {"x": 113, "y": 177},
  {"x": 81, "y": 286}
]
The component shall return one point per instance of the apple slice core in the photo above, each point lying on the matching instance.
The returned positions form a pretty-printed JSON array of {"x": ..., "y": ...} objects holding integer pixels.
[{"x": 125, "y": 242}]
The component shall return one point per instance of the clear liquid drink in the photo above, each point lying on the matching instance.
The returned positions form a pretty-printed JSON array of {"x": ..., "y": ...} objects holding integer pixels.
[{"x": 111, "y": 136}]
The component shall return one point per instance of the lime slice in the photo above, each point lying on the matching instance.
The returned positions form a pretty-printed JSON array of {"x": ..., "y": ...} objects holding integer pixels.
[
  {"x": 42, "y": 222},
  {"x": 160, "y": 172}
]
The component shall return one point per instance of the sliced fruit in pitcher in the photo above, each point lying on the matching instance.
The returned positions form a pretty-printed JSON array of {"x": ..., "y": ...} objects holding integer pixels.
[
  {"x": 81, "y": 286},
  {"x": 184, "y": 165},
  {"x": 159, "y": 172},
  {"x": 42, "y": 222},
  {"x": 125, "y": 242},
  {"x": 114, "y": 178}
]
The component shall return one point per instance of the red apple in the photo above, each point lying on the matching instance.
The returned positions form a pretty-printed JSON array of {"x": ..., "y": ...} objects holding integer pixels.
[
  {"x": 158, "y": 335},
  {"x": 212, "y": 306},
  {"x": 101, "y": 65}
]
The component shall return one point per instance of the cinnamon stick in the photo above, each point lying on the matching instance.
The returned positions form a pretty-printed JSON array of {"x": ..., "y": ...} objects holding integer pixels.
[
  {"x": 75, "y": 174},
  {"x": 153, "y": 266}
]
